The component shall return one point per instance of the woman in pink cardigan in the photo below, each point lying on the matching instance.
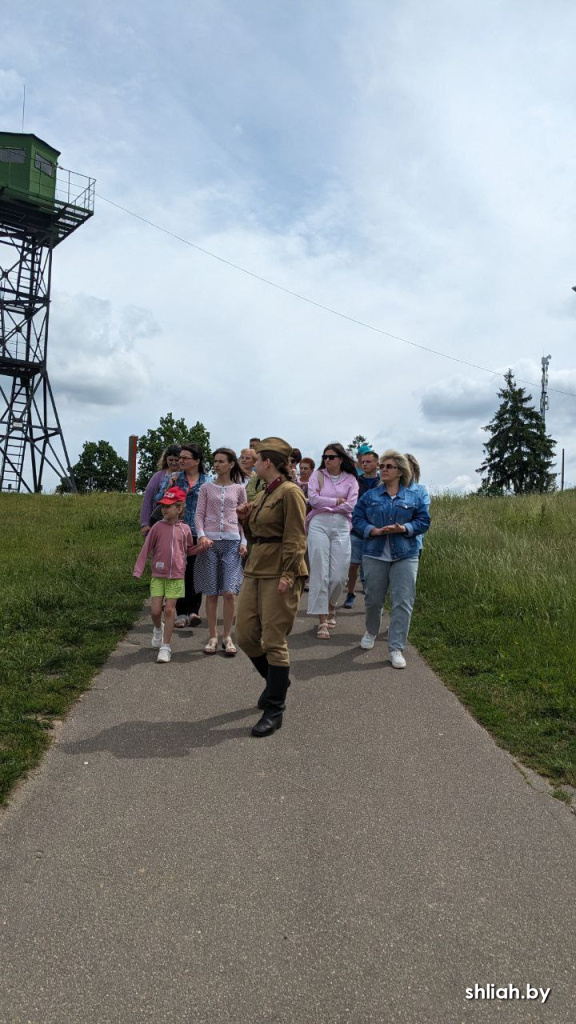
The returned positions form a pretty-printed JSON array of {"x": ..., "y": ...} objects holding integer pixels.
[
  {"x": 332, "y": 494},
  {"x": 218, "y": 568}
]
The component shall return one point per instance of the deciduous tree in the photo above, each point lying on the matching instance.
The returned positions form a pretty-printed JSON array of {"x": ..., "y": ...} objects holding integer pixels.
[
  {"x": 169, "y": 431},
  {"x": 100, "y": 468},
  {"x": 519, "y": 453}
]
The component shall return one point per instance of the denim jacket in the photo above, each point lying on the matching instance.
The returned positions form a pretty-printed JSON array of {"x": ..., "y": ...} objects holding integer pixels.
[
  {"x": 377, "y": 508},
  {"x": 191, "y": 495}
]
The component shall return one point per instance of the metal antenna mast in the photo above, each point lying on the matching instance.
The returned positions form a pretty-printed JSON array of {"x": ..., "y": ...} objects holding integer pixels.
[
  {"x": 544, "y": 404},
  {"x": 40, "y": 205}
]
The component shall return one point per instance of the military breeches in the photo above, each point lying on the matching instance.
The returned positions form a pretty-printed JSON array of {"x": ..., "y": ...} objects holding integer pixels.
[{"x": 264, "y": 618}]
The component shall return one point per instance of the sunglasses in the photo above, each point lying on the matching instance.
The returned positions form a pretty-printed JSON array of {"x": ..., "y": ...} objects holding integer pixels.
[
  {"x": 332, "y": 457},
  {"x": 387, "y": 465}
]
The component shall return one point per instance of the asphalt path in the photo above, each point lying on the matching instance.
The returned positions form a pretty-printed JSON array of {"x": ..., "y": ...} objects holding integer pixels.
[{"x": 370, "y": 862}]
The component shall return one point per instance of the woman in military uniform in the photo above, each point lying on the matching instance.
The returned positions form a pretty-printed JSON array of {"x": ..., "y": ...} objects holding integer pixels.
[{"x": 274, "y": 576}]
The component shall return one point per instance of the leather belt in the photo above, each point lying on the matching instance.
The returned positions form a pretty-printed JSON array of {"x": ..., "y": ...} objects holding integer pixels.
[{"x": 267, "y": 540}]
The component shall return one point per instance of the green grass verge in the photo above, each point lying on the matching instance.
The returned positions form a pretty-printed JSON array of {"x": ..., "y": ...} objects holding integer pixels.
[
  {"x": 496, "y": 618},
  {"x": 495, "y": 615},
  {"x": 67, "y": 597}
]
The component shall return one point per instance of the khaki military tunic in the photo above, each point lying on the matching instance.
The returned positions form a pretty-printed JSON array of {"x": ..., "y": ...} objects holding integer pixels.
[
  {"x": 264, "y": 616},
  {"x": 281, "y": 514}
]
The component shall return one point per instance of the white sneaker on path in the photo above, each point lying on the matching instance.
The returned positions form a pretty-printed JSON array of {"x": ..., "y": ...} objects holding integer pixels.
[
  {"x": 398, "y": 660},
  {"x": 367, "y": 642},
  {"x": 164, "y": 654}
]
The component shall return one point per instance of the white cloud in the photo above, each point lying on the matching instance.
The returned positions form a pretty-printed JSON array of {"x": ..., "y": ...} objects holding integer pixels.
[
  {"x": 405, "y": 164},
  {"x": 11, "y": 84},
  {"x": 460, "y": 485},
  {"x": 99, "y": 356},
  {"x": 460, "y": 398}
]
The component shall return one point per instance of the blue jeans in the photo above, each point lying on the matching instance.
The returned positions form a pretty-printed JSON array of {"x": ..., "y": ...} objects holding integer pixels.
[{"x": 400, "y": 577}]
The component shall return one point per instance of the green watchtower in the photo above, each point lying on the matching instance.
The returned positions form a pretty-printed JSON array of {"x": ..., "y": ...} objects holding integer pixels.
[
  {"x": 40, "y": 205},
  {"x": 28, "y": 167}
]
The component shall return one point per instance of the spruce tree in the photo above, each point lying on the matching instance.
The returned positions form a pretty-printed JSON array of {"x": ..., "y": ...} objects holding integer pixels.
[
  {"x": 519, "y": 454},
  {"x": 355, "y": 443}
]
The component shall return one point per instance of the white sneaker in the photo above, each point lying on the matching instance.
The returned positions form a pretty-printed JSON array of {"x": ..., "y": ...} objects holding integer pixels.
[
  {"x": 398, "y": 660},
  {"x": 367, "y": 642},
  {"x": 164, "y": 654},
  {"x": 157, "y": 637}
]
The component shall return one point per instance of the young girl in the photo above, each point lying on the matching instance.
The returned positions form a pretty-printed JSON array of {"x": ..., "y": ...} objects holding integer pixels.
[
  {"x": 218, "y": 569},
  {"x": 168, "y": 544}
]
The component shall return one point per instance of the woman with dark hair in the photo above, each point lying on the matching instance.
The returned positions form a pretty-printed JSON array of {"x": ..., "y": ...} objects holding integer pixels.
[
  {"x": 167, "y": 464},
  {"x": 273, "y": 577},
  {"x": 190, "y": 477},
  {"x": 294, "y": 464},
  {"x": 218, "y": 568},
  {"x": 332, "y": 495}
]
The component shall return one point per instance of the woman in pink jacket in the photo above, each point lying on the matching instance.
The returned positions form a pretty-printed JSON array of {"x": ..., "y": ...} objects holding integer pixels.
[{"x": 332, "y": 494}]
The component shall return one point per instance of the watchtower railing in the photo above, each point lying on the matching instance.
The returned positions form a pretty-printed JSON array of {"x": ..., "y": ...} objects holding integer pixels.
[{"x": 75, "y": 189}]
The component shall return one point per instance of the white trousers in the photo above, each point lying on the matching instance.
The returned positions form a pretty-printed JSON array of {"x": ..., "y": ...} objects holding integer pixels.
[{"x": 329, "y": 554}]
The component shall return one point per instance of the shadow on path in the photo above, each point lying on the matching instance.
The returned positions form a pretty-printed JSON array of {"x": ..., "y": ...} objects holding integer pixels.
[
  {"x": 162, "y": 739},
  {"x": 339, "y": 663}
]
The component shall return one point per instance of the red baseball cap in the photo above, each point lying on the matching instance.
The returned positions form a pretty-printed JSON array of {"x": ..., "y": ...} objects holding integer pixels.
[{"x": 172, "y": 496}]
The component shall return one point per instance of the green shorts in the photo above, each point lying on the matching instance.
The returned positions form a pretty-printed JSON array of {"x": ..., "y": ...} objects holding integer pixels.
[{"x": 171, "y": 589}]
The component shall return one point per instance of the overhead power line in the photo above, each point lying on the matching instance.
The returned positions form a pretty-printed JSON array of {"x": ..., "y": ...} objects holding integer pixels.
[{"x": 321, "y": 305}]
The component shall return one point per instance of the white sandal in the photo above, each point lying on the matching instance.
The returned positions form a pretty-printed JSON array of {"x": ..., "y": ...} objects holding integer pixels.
[
  {"x": 180, "y": 622},
  {"x": 211, "y": 646}
]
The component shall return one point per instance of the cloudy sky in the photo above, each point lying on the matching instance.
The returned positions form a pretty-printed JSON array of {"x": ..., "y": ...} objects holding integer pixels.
[{"x": 407, "y": 163}]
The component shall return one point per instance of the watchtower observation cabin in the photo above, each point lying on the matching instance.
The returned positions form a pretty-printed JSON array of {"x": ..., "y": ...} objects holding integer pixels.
[{"x": 41, "y": 204}]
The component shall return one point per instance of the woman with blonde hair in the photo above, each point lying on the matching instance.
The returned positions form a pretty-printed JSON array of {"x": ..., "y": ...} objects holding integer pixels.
[
  {"x": 252, "y": 481},
  {"x": 420, "y": 489},
  {"x": 390, "y": 518}
]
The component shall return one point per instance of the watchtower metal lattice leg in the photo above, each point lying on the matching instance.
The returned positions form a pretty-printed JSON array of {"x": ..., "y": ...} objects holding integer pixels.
[{"x": 30, "y": 433}]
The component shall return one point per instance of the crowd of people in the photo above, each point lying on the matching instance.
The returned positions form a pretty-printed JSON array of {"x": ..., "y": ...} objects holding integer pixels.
[{"x": 263, "y": 527}]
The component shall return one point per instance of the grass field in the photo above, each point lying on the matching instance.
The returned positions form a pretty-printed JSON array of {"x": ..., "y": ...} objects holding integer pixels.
[
  {"x": 67, "y": 597},
  {"x": 496, "y": 618},
  {"x": 495, "y": 615}
]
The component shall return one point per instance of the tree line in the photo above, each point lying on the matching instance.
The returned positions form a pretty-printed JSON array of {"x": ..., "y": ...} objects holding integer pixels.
[{"x": 518, "y": 456}]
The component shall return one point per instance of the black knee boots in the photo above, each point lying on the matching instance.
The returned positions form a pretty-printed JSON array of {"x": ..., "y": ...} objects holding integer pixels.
[
  {"x": 261, "y": 665},
  {"x": 274, "y": 700}
]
